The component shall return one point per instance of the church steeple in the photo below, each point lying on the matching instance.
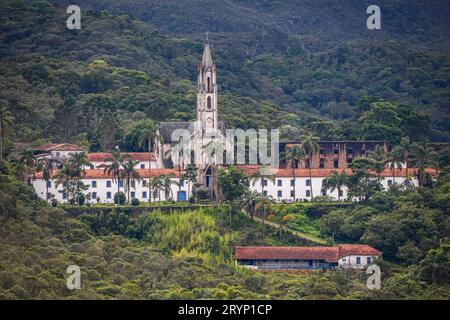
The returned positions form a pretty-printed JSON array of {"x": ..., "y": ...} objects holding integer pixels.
[
  {"x": 206, "y": 59},
  {"x": 207, "y": 112}
]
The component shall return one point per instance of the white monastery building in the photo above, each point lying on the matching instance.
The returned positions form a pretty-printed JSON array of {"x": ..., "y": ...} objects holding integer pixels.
[{"x": 333, "y": 155}]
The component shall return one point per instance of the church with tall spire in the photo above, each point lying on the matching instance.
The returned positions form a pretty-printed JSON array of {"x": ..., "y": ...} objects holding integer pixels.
[
  {"x": 207, "y": 112},
  {"x": 207, "y": 121}
]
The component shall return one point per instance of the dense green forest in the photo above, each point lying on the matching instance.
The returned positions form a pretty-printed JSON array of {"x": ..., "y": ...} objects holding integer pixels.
[
  {"x": 88, "y": 86},
  {"x": 307, "y": 67},
  {"x": 188, "y": 255}
]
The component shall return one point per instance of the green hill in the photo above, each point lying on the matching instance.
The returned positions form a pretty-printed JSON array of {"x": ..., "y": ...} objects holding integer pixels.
[
  {"x": 89, "y": 85},
  {"x": 181, "y": 255}
]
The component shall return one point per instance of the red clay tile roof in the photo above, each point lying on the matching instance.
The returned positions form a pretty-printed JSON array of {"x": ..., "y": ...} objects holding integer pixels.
[
  {"x": 100, "y": 173},
  {"x": 101, "y": 156},
  {"x": 362, "y": 249},
  {"x": 59, "y": 147},
  {"x": 318, "y": 173},
  {"x": 329, "y": 254}
]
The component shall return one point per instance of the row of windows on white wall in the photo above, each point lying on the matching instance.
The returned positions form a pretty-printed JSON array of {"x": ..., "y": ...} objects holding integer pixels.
[
  {"x": 280, "y": 182},
  {"x": 358, "y": 260},
  {"x": 307, "y": 182},
  {"x": 307, "y": 193},
  {"x": 121, "y": 183},
  {"x": 108, "y": 195},
  {"x": 141, "y": 166},
  {"x": 144, "y": 183}
]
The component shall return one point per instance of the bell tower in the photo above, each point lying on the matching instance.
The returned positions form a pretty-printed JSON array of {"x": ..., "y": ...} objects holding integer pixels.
[{"x": 207, "y": 113}]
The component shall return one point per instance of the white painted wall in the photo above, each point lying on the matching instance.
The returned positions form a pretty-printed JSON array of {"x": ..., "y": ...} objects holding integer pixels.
[
  {"x": 154, "y": 164},
  {"x": 272, "y": 188},
  {"x": 102, "y": 190},
  {"x": 62, "y": 155},
  {"x": 350, "y": 261},
  {"x": 302, "y": 189}
]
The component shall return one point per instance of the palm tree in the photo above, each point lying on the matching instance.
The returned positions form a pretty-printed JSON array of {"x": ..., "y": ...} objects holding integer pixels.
[
  {"x": 27, "y": 165},
  {"x": 179, "y": 161},
  {"x": 420, "y": 153},
  {"x": 166, "y": 185},
  {"x": 79, "y": 161},
  {"x": 6, "y": 120},
  {"x": 46, "y": 165},
  {"x": 311, "y": 148},
  {"x": 262, "y": 176},
  {"x": 156, "y": 185},
  {"x": 130, "y": 175},
  {"x": 149, "y": 136},
  {"x": 114, "y": 169},
  {"x": 250, "y": 199},
  {"x": 395, "y": 160},
  {"x": 190, "y": 174},
  {"x": 292, "y": 157},
  {"x": 64, "y": 176},
  {"x": 405, "y": 149},
  {"x": 335, "y": 181},
  {"x": 263, "y": 205}
]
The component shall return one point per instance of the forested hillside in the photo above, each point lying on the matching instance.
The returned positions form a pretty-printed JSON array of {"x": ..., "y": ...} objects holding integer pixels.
[
  {"x": 189, "y": 255},
  {"x": 303, "y": 67},
  {"x": 310, "y": 68}
]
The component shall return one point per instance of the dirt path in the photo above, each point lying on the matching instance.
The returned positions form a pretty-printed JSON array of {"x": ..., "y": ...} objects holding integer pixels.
[{"x": 314, "y": 239}]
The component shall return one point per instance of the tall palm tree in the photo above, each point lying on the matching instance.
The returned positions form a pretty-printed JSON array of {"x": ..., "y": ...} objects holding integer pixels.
[
  {"x": 262, "y": 175},
  {"x": 6, "y": 120},
  {"x": 335, "y": 181},
  {"x": 27, "y": 165},
  {"x": 292, "y": 157},
  {"x": 250, "y": 199},
  {"x": 191, "y": 175},
  {"x": 64, "y": 176},
  {"x": 395, "y": 160},
  {"x": 149, "y": 136},
  {"x": 114, "y": 169},
  {"x": 156, "y": 185},
  {"x": 79, "y": 161},
  {"x": 263, "y": 204},
  {"x": 181, "y": 158},
  {"x": 420, "y": 155},
  {"x": 405, "y": 148},
  {"x": 46, "y": 165},
  {"x": 311, "y": 148},
  {"x": 166, "y": 185},
  {"x": 130, "y": 175}
]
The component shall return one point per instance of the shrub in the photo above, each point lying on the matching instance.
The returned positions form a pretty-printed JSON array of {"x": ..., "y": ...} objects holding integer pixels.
[
  {"x": 120, "y": 198},
  {"x": 81, "y": 199},
  {"x": 135, "y": 202},
  {"x": 202, "y": 194}
]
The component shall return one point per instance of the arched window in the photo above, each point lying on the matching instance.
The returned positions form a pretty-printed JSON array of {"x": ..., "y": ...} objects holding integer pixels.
[
  {"x": 208, "y": 103},
  {"x": 209, "y": 84}
]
